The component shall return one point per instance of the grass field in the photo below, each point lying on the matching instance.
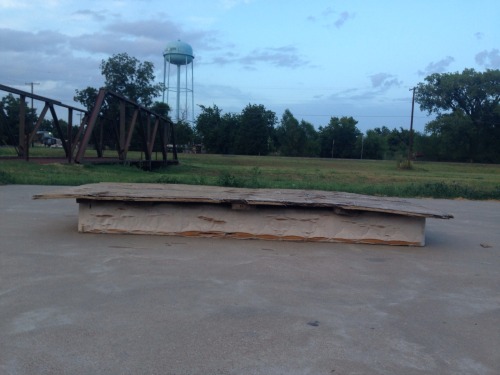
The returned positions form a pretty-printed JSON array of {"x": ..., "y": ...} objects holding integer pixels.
[{"x": 425, "y": 179}]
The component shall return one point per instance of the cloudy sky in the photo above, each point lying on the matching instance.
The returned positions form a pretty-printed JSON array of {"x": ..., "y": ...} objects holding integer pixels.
[{"x": 318, "y": 58}]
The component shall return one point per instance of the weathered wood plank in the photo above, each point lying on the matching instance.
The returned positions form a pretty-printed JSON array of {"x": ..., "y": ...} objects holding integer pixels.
[{"x": 253, "y": 197}]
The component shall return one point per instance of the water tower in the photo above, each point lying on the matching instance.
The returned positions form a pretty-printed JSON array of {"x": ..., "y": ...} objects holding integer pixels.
[{"x": 179, "y": 54}]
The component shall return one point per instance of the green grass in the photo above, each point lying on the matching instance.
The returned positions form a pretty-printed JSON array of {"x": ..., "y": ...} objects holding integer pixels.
[
  {"x": 37, "y": 151},
  {"x": 424, "y": 179}
]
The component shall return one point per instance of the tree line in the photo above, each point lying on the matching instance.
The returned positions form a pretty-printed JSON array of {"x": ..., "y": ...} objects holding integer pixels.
[
  {"x": 466, "y": 127},
  {"x": 257, "y": 131}
]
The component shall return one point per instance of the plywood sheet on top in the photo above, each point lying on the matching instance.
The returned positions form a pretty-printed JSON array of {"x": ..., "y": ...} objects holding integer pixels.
[{"x": 134, "y": 192}]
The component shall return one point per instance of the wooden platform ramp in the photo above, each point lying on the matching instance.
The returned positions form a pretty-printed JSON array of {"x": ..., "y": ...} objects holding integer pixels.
[{"x": 270, "y": 214}]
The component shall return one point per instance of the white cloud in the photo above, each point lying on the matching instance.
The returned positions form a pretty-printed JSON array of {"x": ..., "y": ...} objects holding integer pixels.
[
  {"x": 86, "y": 14},
  {"x": 327, "y": 14},
  {"x": 228, "y": 4},
  {"x": 479, "y": 35},
  {"x": 343, "y": 17},
  {"x": 285, "y": 57},
  {"x": 384, "y": 81},
  {"x": 44, "y": 42},
  {"x": 437, "y": 67},
  {"x": 13, "y": 4},
  {"x": 489, "y": 59}
]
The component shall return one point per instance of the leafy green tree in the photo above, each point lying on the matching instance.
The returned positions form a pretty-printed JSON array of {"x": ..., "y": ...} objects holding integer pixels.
[
  {"x": 472, "y": 95},
  {"x": 397, "y": 143},
  {"x": 208, "y": 127},
  {"x": 86, "y": 97},
  {"x": 374, "y": 144},
  {"x": 290, "y": 136},
  {"x": 294, "y": 138},
  {"x": 426, "y": 146},
  {"x": 338, "y": 138},
  {"x": 452, "y": 134},
  {"x": 9, "y": 119},
  {"x": 231, "y": 123},
  {"x": 311, "y": 142},
  {"x": 217, "y": 132},
  {"x": 131, "y": 78},
  {"x": 327, "y": 141},
  {"x": 256, "y": 132},
  {"x": 160, "y": 108},
  {"x": 184, "y": 134}
]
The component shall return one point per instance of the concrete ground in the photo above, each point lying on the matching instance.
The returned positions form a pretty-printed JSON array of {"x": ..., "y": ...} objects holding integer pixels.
[{"x": 75, "y": 303}]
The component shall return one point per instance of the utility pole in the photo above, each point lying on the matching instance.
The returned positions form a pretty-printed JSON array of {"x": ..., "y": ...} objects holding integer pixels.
[
  {"x": 31, "y": 84},
  {"x": 410, "y": 143}
]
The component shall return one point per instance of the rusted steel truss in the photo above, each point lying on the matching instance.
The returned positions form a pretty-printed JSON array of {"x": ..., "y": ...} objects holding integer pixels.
[
  {"x": 27, "y": 135},
  {"x": 150, "y": 126}
]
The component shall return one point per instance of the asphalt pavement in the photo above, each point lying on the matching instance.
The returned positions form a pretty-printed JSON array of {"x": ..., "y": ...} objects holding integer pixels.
[{"x": 74, "y": 303}]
